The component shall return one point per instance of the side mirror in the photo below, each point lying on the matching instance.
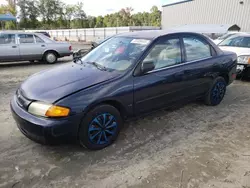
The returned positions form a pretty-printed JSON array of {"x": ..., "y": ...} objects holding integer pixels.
[{"x": 147, "y": 66}]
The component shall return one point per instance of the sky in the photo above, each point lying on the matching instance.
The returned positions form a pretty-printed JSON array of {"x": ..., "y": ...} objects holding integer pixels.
[{"x": 102, "y": 7}]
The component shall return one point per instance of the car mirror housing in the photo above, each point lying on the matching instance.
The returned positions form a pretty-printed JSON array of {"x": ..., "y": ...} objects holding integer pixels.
[{"x": 147, "y": 66}]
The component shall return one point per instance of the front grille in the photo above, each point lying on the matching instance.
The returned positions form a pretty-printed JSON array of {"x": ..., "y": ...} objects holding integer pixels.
[{"x": 21, "y": 100}]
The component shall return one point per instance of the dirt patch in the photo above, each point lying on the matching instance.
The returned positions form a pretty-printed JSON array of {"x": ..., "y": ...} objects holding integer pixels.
[{"x": 188, "y": 147}]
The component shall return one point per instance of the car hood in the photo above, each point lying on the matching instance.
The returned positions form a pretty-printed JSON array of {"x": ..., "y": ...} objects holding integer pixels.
[
  {"x": 237, "y": 50},
  {"x": 53, "y": 84}
]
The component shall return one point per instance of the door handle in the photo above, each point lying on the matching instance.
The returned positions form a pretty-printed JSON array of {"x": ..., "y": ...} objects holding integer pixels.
[
  {"x": 42, "y": 45},
  {"x": 14, "y": 46}
]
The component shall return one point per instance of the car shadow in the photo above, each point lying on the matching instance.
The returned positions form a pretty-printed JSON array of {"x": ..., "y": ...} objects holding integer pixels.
[
  {"x": 141, "y": 124},
  {"x": 17, "y": 64},
  {"x": 244, "y": 79},
  {"x": 27, "y": 63}
]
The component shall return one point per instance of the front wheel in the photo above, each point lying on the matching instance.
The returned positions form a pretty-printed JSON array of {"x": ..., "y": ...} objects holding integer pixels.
[
  {"x": 100, "y": 127},
  {"x": 216, "y": 92}
]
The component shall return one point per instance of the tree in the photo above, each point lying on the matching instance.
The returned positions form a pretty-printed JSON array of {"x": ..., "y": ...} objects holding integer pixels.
[
  {"x": 155, "y": 16},
  {"x": 8, "y": 9},
  {"x": 99, "y": 22},
  {"x": 33, "y": 13},
  {"x": 80, "y": 15},
  {"x": 23, "y": 13},
  {"x": 69, "y": 13},
  {"x": 61, "y": 21},
  {"x": 50, "y": 11},
  {"x": 49, "y": 14},
  {"x": 29, "y": 13},
  {"x": 91, "y": 21},
  {"x": 126, "y": 15}
]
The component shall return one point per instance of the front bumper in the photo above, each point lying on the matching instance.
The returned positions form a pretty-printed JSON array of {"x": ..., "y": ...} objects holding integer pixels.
[
  {"x": 45, "y": 130},
  {"x": 243, "y": 69}
]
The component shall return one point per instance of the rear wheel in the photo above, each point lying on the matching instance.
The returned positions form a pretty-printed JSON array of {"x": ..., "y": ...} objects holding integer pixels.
[
  {"x": 50, "y": 57},
  {"x": 100, "y": 127},
  {"x": 216, "y": 92}
]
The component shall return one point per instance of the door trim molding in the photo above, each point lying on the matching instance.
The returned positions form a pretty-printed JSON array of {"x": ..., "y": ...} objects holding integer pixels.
[{"x": 179, "y": 65}]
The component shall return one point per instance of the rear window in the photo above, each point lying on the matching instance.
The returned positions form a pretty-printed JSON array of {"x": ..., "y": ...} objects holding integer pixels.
[
  {"x": 236, "y": 41},
  {"x": 38, "y": 39},
  {"x": 196, "y": 49}
]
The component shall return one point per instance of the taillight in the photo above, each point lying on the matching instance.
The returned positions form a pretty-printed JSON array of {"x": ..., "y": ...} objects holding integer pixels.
[
  {"x": 234, "y": 76},
  {"x": 70, "y": 48}
]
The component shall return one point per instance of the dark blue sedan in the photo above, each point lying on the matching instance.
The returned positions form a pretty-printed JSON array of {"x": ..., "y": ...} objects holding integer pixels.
[{"x": 127, "y": 75}]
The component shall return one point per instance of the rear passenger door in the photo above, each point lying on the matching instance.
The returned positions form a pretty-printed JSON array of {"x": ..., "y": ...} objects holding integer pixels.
[
  {"x": 9, "y": 50},
  {"x": 31, "y": 47},
  {"x": 198, "y": 64}
]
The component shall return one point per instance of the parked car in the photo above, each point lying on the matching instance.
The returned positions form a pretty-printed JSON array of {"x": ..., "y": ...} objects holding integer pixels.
[
  {"x": 227, "y": 35},
  {"x": 129, "y": 75},
  {"x": 44, "y": 33},
  {"x": 240, "y": 44},
  {"x": 223, "y": 37},
  {"x": 18, "y": 46},
  {"x": 78, "y": 54},
  {"x": 82, "y": 52}
]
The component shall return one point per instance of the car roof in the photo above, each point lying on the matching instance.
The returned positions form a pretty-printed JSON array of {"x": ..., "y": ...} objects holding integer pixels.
[
  {"x": 17, "y": 32},
  {"x": 152, "y": 34},
  {"x": 243, "y": 34},
  {"x": 42, "y": 36}
]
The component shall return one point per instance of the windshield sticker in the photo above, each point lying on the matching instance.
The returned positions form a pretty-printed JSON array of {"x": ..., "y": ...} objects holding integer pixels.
[{"x": 140, "y": 41}]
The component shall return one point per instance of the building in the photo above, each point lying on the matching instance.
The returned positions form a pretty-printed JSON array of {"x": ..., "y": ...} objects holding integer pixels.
[{"x": 181, "y": 12}]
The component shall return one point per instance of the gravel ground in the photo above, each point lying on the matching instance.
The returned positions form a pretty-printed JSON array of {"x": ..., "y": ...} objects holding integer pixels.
[{"x": 187, "y": 147}]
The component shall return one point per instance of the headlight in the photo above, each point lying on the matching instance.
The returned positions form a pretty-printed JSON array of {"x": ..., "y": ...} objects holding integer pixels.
[
  {"x": 244, "y": 59},
  {"x": 48, "y": 110}
]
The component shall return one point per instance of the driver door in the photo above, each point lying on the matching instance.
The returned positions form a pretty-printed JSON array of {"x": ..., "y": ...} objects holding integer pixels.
[{"x": 166, "y": 83}]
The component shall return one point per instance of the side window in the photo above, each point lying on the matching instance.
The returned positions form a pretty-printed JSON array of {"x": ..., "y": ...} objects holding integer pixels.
[
  {"x": 7, "y": 39},
  {"x": 26, "y": 39},
  {"x": 196, "y": 49},
  {"x": 165, "y": 54},
  {"x": 245, "y": 42},
  {"x": 38, "y": 39}
]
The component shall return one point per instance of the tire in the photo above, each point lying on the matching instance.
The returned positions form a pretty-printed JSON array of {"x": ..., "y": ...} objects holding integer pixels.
[
  {"x": 216, "y": 92},
  {"x": 100, "y": 127},
  {"x": 50, "y": 57}
]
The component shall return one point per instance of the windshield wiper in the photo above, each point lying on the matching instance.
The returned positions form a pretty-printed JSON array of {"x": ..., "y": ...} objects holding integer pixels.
[{"x": 97, "y": 65}]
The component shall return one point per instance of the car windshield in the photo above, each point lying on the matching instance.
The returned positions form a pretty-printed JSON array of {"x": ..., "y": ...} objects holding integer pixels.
[
  {"x": 237, "y": 41},
  {"x": 223, "y": 37},
  {"x": 117, "y": 53}
]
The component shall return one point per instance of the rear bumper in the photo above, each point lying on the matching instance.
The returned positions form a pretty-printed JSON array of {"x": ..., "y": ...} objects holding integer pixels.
[
  {"x": 66, "y": 54},
  {"x": 45, "y": 130}
]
